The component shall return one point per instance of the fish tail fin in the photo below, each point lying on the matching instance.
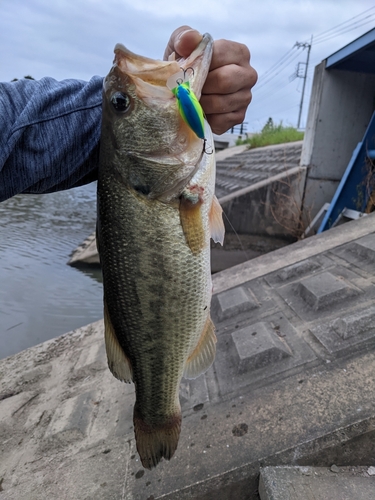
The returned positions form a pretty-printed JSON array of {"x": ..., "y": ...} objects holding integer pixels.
[{"x": 156, "y": 441}]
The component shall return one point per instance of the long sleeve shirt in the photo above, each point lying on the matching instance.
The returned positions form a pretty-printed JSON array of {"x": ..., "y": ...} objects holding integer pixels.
[{"x": 49, "y": 134}]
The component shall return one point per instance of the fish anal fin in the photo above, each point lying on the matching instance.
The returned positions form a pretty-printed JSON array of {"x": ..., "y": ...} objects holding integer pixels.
[
  {"x": 191, "y": 220},
  {"x": 155, "y": 442},
  {"x": 118, "y": 362},
  {"x": 203, "y": 355},
  {"x": 216, "y": 221}
]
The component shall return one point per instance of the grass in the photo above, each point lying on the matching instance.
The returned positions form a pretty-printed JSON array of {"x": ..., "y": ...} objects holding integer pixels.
[{"x": 272, "y": 134}]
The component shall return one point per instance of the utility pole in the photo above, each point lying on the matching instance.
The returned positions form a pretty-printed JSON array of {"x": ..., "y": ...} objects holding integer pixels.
[{"x": 308, "y": 47}]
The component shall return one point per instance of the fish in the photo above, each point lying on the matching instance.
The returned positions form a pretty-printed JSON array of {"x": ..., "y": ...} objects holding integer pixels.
[{"x": 156, "y": 213}]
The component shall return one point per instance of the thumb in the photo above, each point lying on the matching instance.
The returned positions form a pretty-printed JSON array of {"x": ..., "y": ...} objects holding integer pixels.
[{"x": 182, "y": 41}]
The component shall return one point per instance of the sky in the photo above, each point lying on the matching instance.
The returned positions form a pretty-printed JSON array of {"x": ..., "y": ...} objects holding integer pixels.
[{"x": 75, "y": 39}]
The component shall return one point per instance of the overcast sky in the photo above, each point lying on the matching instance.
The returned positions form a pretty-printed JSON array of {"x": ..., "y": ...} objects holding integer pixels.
[{"x": 75, "y": 39}]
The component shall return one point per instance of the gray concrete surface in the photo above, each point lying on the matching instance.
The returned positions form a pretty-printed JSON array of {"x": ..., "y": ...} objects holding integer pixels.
[
  {"x": 317, "y": 483},
  {"x": 292, "y": 384}
]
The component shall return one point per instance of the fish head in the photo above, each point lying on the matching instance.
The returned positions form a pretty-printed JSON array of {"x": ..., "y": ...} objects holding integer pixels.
[{"x": 143, "y": 133}]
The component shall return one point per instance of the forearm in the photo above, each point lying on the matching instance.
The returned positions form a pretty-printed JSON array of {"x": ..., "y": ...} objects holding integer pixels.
[{"x": 49, "y": 134}]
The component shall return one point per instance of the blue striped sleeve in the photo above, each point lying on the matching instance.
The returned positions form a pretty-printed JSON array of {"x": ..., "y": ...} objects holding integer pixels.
[{"x": 49, "y": 134}]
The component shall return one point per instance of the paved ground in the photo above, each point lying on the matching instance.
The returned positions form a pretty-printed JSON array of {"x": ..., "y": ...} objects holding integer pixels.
[{"x": 293, "y": 384}]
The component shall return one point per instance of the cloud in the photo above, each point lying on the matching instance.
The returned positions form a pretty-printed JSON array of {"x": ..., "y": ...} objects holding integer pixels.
[{"x": 66, "y": 39}]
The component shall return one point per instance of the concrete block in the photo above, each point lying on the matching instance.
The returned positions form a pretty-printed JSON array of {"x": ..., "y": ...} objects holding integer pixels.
[
  {"x": 323, "y": 290},
  {"x": 328, "y": 293},
  {"x": 258, "y": 346},
  {"x": 361, "y": 253},
  {"x": 298, "y": 270},
  {"x": 355, "y": 324},
  {"x": 316, "y": 483},
  {"x": 355, "y": 329},
  {"x": 365, "y": 248},
  {"x": 233, "y": 302},
  {"x": 243, "y": 358}
]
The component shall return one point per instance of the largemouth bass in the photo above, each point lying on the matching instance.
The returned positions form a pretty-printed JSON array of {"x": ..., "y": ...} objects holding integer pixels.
[{"x": 156, "y": 213}]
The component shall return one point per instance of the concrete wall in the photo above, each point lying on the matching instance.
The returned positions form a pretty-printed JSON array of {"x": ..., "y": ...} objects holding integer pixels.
[
  {"x": 341, "y": 106},
  {"x": 268, "y": 208}
]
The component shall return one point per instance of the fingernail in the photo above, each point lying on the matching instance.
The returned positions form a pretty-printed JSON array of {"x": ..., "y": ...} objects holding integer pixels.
[{"x": 187, "y": 31}]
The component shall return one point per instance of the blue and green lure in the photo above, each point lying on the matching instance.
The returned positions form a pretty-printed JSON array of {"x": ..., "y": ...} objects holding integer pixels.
[{"x": 188, "y": 104}]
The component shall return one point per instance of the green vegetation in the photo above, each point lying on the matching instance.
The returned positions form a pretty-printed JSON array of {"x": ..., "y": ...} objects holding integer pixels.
[
  {"x": 272, "y": 134},
  {"x": 28, "y": 77}
]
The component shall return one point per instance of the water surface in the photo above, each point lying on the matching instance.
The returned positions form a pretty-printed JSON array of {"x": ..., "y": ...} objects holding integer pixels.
[{"x": 42, "y": 297}]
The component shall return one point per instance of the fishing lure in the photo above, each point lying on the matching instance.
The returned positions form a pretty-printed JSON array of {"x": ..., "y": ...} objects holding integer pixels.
[{"x": 188, "y": 104}]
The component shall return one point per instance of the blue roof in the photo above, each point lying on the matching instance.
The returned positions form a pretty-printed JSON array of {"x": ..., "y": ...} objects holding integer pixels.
[{"x": 358, "y": 55}]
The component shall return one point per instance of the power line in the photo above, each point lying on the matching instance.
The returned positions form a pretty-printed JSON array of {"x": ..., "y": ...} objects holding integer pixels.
[
  {"x": 266, "y": 77},
  {"x": 341, "y": 32},
  {"x": 266, "y": 95},
  {"x": 267, "y": 86},
  {"x": 277, "y": 63},
  {"x": 344, "y": 22},
  {"x": 291, "y": 58}
]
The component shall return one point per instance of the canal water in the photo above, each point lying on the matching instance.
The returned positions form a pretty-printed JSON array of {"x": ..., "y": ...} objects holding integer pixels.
[{"x": 42, "y": 297}]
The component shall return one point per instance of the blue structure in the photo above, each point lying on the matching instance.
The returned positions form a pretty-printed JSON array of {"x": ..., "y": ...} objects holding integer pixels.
[{"x": 357, "y": 183}]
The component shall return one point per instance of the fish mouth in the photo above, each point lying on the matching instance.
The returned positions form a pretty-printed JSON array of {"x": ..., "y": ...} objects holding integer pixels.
[{"x": 151, "y": 76}]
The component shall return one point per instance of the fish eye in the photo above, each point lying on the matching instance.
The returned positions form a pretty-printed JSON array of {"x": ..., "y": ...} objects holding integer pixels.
[{"x": 120, "y": 102}]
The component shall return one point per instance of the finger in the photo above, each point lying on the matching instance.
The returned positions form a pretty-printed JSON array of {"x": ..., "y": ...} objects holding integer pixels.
[
  {"x": 229, "y": 79},
  {"x": 228, "y": 52},
  {"x": 182, "y": 41},
  {"x": 222, "y": 122},
  {"x": 218, "y": 104}
]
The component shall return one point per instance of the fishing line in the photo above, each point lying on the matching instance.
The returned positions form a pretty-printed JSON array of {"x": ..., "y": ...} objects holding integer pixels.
[{"x": 237, "y": 236}]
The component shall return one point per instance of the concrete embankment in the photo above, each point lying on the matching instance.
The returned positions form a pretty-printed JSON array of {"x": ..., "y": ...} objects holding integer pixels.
[{"x": 292, "y": 384}]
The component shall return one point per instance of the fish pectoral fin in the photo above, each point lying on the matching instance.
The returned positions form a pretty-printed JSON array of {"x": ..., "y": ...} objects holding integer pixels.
[
  {"x": 118, "y": 362},
  {"x": 203, "y": 355},
  {"x": 216, "y": 221},
  {"x": 192, "y": 223}
]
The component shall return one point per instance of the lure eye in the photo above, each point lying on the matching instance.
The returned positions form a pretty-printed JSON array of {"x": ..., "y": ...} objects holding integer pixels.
[{"x": 120, "y": 102}]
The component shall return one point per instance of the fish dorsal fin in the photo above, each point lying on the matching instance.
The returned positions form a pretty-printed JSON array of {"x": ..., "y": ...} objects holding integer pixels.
[
  {"x": 203, "y": 355},
  {"x": 118, "y": 362},
  {"x": 216, "y": 221}
]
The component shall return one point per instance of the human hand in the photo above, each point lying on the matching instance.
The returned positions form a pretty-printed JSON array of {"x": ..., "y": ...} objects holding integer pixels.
[{"x": 226, "y": 93}]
